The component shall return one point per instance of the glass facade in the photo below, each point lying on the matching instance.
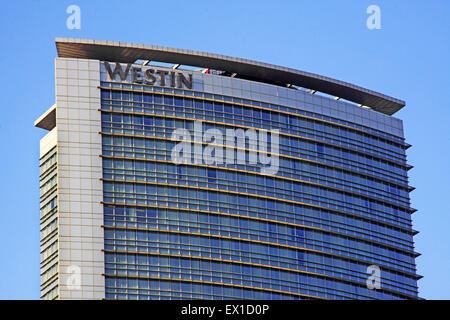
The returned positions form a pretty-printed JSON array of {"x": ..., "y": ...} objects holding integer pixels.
[
  {"x": 338, "y": 204},
  {"x": 49, "y": 225}
]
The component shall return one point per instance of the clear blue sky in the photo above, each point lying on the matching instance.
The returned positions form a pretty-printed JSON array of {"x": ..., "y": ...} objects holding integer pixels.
[{"x": 408, "y": 59}]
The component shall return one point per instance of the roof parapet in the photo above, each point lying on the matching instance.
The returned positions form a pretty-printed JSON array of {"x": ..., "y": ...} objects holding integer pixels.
[
  {"x": 257, "y": 71},
  {"x": 47, "y": 121}
]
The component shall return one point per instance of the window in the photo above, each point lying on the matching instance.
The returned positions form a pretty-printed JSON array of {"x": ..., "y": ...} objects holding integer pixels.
[
  {"x": 168, "y": 100},
  {"x": 105, "y": 94},
  {"x": 157, "y": 99},
  {"x": 178, "y": 101},
  {"x": 148, "y": 121}
]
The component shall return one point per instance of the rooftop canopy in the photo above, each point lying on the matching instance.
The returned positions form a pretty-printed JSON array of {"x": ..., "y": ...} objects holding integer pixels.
[{"x": 257, "y": 71}]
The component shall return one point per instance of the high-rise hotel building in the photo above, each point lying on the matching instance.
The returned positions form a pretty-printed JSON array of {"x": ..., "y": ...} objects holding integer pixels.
[{"x": 121, "y": 218}]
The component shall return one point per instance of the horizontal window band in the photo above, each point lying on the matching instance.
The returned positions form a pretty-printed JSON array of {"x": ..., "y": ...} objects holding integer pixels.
[
  {"x": 399, "y": 159},
  {"x": 47, "y": 201},
  {"x": 337, "y": 124},
  {"x": 225, "y": 168},
  {"x": 47, "y": 283},
  {"x": 363, "y": 262},
  {"x": 49, "y": 153},
  {"x": 231, "y": 192},
  {"x": 52, "y": 153},
  {"x": 49, "y": 237},
  {"x": 49, "y": 287},
  {"x": 400, "y": 164},
  {"x": 49, "y": 263},
  {"x": 361, "y": 173},
  {"x": 46, "y": 194},
  {"x": 50, "y": 175},
  {"x": 49, "y": 215},
  {"x": 48, "y": 259},
  {"x": 256, "y": 265},
  {"x": 303, "y": 204},
  {"x": 49, "y": 244},
  {"x": 285, "y": 223},
  {"x": 217, "y": 284},
  {"x": 47, "y": 172},
  {"x": 48, "y": 222},
  {"x": 280, "y": 222}
]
